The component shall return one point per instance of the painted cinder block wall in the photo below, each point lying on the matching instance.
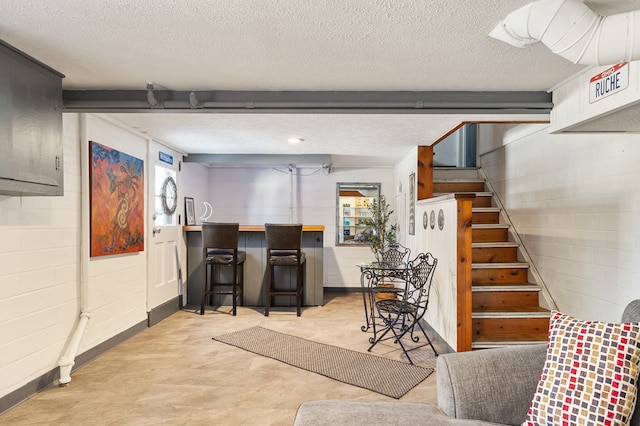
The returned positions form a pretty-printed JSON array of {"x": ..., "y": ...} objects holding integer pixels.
[
  {"x": 39, "y": 273},
  {"x": 44, "y": 263}
]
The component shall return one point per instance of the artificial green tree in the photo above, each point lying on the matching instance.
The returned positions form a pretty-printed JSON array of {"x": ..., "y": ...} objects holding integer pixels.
[{"x": 380, "y": 232}]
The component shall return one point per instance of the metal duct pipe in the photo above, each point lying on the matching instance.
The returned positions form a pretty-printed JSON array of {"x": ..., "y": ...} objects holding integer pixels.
[{"x": 572, "y": 30}]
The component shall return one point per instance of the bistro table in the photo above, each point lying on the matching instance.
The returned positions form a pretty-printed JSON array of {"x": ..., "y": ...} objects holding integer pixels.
[{"x": 372, "y": 276}]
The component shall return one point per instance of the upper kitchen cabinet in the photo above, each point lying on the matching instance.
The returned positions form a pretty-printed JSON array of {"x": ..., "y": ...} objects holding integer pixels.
[{"x": 31, "y": 161}]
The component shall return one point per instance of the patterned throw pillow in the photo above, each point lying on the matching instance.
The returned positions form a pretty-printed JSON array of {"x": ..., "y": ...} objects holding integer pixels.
[{"x": 590, "y": 374}]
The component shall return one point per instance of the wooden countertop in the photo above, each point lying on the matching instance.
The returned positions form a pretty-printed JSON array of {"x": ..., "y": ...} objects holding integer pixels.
[{"x": 255, "y": 228}]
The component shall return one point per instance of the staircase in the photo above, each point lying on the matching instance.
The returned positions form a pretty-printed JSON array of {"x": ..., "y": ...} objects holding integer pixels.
[{"x": 506, "y": 306}]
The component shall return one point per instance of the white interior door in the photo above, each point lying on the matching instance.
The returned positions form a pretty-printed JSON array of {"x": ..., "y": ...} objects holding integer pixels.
[{"x": 164, "y": 229}]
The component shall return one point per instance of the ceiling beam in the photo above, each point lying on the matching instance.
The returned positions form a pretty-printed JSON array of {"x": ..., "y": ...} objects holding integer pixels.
[
  {"x": 330, "y": 102},
  {"x": 299, "y": 161}
]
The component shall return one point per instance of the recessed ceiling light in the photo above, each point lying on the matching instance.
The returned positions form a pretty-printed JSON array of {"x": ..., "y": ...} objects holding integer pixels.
[{"x": 295, "y": 140}]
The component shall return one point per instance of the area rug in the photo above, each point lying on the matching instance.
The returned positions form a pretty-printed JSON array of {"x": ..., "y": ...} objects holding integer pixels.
[{"x": 385, "y": 376}]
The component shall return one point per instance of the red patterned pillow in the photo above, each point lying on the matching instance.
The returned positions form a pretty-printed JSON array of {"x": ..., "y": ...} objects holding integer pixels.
[{"x": 590, "y": 374}]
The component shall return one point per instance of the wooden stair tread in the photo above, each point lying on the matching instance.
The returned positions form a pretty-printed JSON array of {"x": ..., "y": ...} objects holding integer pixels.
[
  {"x": 485, "y": 210},
  {"x": 458, "y": 180},
  {"x": 495, "y": 244},
  {"x": 503, "y": 284},
  {"x": 513, "y": 265},
  {"x": 518, "y": 337},
  {"x": 483, "y": 340},
  {"x": 505, "y": 287},
  {"x": 488, "y": 225},
  {"x": 476, "y": 193},
  {"x": 454, "y": 169},
  {"x": 514, "y": 312}
]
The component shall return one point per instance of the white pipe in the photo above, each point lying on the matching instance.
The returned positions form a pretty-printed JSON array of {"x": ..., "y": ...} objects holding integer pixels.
[
  {"x": 572, "y": 30},
  {"x": 67, "y": 361},
  {"x": 290, "y": 193}
]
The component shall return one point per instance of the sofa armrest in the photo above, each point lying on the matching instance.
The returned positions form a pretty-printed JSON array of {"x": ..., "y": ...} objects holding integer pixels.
[{"x": 494, "y": 385}]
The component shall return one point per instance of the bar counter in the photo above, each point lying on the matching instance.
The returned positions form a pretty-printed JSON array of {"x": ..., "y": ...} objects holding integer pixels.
[{"x": 252, "y": 240}]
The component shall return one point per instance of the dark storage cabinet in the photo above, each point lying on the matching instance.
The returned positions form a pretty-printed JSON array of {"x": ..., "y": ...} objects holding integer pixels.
[{"x": 31, "y": 161}]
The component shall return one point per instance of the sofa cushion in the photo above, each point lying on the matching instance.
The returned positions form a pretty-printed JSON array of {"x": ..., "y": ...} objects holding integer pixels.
[{"x": 590, "y": 373}]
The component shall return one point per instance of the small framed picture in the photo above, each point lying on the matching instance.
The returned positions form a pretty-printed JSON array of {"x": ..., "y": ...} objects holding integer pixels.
[{"x": 189, "y": 211}]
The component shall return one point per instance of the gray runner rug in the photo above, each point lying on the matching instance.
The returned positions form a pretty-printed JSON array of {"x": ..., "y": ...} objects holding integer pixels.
[{"x": 381, "y": 375}]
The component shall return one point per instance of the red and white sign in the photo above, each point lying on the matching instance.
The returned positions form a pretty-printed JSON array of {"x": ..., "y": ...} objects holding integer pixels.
[{"x": 609, "y": 82}]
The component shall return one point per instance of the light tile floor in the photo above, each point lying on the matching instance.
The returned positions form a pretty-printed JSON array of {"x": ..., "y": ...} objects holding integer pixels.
[{"x": 174, "y": 373}]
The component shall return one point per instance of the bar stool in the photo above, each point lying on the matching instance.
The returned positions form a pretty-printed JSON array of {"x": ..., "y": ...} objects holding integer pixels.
[
  {"x": 284, "y": 244},
  {"x": 220, "y": 248}
]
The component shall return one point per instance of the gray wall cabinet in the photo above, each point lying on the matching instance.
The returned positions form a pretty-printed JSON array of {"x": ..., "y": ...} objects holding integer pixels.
[{"x": 31, "y": 161}]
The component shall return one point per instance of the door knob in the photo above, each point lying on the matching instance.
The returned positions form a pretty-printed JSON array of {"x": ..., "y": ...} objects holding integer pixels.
[{"x": 156, "y": 230}]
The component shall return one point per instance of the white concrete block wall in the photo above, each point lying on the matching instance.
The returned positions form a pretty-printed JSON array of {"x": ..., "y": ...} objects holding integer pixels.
[
  {"x": 41, "y": 254},
  {"x": 575, "y": 201},
  {"x": 39, "y": 276},
  {"x": 117, "y": 297}
]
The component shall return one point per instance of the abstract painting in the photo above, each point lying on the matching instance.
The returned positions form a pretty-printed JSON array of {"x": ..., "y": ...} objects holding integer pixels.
[{"x": 116, "y": 201}]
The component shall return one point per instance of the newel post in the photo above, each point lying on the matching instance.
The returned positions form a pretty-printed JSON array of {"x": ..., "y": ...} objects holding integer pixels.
[
  {"x": 464, "y": 270},
  {"x": 425, "y": 172}
]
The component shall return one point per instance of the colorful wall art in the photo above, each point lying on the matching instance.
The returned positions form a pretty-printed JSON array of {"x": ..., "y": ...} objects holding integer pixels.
[{"x": 116, "y": 201}]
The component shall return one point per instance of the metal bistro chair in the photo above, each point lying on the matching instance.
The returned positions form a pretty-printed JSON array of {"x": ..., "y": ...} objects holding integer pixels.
[
  {"x": 388, "y": 286},
  {"x": 394, "y": 252},
  {"x": 401, "y": 316},
  {"x": 220, "y": 248},
  {"x": 284, "y": 249}
]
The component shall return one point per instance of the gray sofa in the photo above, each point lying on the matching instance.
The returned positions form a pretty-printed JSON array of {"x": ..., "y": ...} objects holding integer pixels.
[{"x": 492, "y": 386}]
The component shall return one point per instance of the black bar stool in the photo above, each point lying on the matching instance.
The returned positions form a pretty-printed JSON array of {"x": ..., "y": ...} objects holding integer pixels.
[
  {"x": 220, "y": 247},
  {"x": 284, "y": 248}
]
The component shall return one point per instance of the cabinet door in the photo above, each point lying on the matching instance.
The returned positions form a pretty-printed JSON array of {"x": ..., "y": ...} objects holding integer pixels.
[{"x": 31, "y": 121}]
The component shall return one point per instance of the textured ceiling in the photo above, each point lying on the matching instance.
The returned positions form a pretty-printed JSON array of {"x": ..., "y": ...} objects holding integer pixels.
[{"x": 301, "y": 45}]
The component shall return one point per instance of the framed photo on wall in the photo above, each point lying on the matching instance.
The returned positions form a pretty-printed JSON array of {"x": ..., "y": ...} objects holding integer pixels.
[
  {"x": 412, "y": 204},
  {"x": 189, "y": 211}
]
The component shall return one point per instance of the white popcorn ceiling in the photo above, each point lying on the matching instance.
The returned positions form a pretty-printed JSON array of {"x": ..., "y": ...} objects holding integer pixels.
[{"x": 397, "y": 45}]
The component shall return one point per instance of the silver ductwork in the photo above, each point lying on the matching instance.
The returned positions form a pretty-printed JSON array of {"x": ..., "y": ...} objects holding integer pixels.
[{"x": 572, "y": 30}]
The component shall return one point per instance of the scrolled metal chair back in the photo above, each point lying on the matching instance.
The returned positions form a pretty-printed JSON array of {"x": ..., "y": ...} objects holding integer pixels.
[
  {"x": 396, "y": 253},
  {"x": 421, "y": 271}
]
